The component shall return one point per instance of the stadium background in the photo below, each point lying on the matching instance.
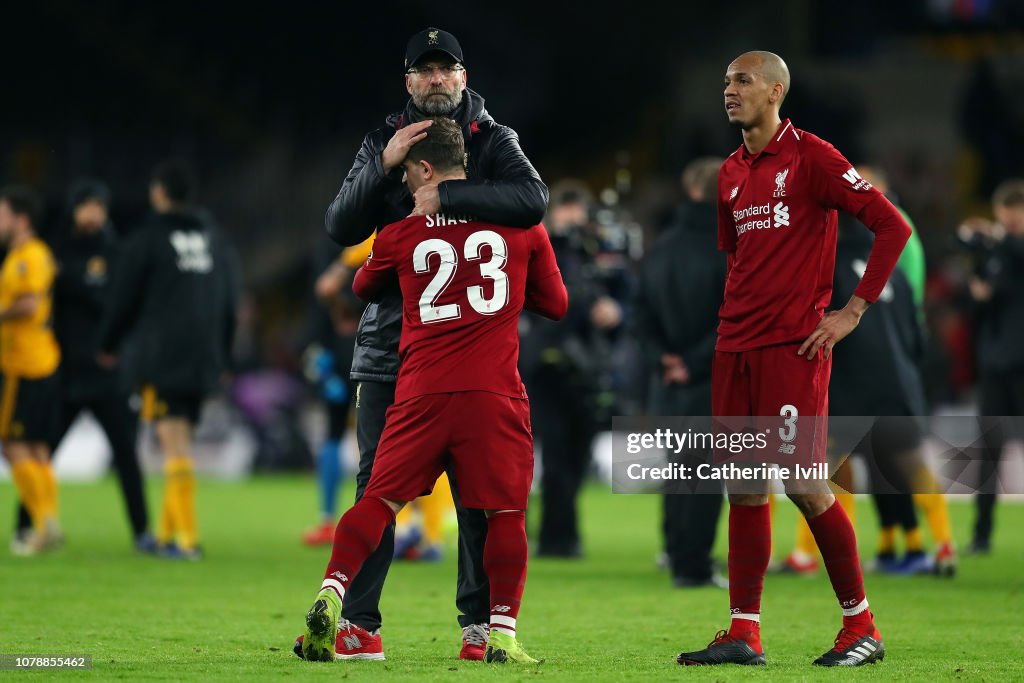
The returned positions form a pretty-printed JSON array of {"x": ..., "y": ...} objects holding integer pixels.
[
  {"x": 271, "y": 105},
  {"x": 270, "y": 108}
]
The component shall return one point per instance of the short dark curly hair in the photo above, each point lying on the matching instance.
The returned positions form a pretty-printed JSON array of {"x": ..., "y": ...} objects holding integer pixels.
[
  {"x": 24, "y": 201},
  {"x": 177, "y": 178}
]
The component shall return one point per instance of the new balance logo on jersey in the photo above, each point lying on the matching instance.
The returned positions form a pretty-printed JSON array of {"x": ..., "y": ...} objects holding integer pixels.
[
  {"x": 780, "y": 183},
  {"x": 193, "y": 249},
  {"x": 781, "y": 215},
  {"x": 787, "y": 449},
  {"x": 732, "y": 195},
  {"x": 854, "y": 179}
]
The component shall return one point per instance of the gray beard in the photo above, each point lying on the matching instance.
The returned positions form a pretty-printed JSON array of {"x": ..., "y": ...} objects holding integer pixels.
[{"x": 439, "y": 106}]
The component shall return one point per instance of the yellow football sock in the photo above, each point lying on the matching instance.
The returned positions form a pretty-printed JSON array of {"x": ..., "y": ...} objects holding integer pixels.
[
  {"x": 804, "y": 538},
  {"x": 404, "y": 517},
  {"x": 433, "y": 508},
  {"x": 887, "y": 540},
  {"x": 936, "y": 512},
  {"x": 849, "y": 504},
  {"x": 165, "y": 525},
  {"x": 49, "y": 487},
  {"x": 28, "y": 482},
  {"x": 934, "y": 505},
  {"x": 181, "y": 488},
  {"x": 914, "y": 541}
]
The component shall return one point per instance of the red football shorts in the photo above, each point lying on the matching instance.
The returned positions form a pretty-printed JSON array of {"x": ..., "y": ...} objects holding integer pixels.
[
  {"x": 773, "y": 382},
  {"x": 484, "y": 437}
]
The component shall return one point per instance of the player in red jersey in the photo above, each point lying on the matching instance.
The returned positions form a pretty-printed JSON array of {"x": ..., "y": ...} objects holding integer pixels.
[
  {"x": 459, "y": 401},
  {"x": 777, "y": 201}
]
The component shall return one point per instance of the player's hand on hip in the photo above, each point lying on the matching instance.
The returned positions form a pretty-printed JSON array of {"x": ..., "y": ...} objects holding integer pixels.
[
  {"x": 980, "y": 290},
  {"x": 400, "y": 143},
  {"x": 832, "y": 329},
  {"x": 427, "y": 200}
]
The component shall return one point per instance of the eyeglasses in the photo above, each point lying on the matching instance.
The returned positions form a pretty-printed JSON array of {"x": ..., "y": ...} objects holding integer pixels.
[{"x": 446, "y": 70}]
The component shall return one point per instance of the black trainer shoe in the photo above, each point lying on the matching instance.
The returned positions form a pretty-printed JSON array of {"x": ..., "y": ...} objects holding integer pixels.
[
  {"x": 853, "y": 650},
  {"x": 724, "y": 649}
]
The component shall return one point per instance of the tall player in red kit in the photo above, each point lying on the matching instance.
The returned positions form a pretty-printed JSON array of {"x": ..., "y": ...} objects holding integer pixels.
[
  {"x": 777, "y": 201},
  {"x": 459, "y": 401}
]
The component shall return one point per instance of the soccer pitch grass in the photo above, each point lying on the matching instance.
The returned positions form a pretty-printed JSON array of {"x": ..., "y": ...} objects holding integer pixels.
[{"x": 610, "y": 616}]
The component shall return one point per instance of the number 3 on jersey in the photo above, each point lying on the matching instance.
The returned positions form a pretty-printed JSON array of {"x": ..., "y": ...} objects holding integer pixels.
[{"x": 492, "y": 270}]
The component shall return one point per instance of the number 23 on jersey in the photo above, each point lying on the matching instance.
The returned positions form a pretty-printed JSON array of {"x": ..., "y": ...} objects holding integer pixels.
[{"x": 492, "y": 269}]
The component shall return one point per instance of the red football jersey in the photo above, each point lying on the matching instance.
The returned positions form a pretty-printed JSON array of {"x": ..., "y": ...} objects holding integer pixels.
[
  {"x": 777, "y": 216},
  {"x": 464, "y": 283}
]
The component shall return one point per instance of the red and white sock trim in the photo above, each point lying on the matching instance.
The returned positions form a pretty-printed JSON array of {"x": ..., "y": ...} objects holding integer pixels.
[
  {"x": 748, "y": 616},
  {"x": 856, "y": 609},
  {"x": 335, "y": 586},
  {"x": 503, "y": 624}
]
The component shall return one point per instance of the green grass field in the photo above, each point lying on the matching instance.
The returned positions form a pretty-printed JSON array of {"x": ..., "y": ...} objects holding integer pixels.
[{"x": 611, "y": 616}]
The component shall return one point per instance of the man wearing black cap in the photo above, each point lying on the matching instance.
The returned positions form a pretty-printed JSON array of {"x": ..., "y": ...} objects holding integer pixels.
[
  {"x": 87, "y": 258},
  {"x": 502, "y": 187}
]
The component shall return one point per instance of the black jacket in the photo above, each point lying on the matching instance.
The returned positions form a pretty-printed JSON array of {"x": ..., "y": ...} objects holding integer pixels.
[
  {"x": 682, "y": 282},
  {"x": 876, "y": 369},
  {"x": 1000, "y": 320},
  {"x": 80, "y": 294},
  {"x": 175, "y": 295},
  {"x": 502, "y": 187}
]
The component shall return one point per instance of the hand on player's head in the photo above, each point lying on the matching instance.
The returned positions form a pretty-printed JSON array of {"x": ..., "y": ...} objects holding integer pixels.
[{"x": 398, "y": 146}]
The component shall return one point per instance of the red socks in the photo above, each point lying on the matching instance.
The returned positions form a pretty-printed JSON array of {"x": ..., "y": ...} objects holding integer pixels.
[
  {"x": 838, "y": 544},
  {"x": 505, "y": 556},
  {"x": 357, "y": 535},
  {"x": 750, "y": 550}
]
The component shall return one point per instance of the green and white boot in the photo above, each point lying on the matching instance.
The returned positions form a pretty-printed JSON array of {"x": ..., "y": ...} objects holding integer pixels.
[
  {"x": 504, "y": 649},
  {"x": 322, "y": 627}
]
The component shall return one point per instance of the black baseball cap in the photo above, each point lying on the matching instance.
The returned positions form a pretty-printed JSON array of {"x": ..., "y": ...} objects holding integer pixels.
[
  {"x": 432, "y": 40},
  {"x": 85, "y": 189}
]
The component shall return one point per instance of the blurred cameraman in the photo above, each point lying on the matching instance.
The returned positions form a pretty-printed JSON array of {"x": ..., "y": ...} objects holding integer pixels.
[
  {"x": 567, "y": 367},
  {"x": 997, "y": 288}
]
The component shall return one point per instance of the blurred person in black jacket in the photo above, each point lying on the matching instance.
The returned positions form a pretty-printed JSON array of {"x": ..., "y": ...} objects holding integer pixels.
[
  {"x": 680, "y": 292},
  {"x": 87, "y": 259},
  {"x": 567, "y": 367},
  {"x": 502, "y": 187},
  {"x": 888, "y": 394},
  {"x": 174, "y": 297},
  {"x": 998, "y": 291}
]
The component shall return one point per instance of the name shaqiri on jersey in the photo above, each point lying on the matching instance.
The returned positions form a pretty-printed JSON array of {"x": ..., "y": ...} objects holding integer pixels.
[{"x": 777, "y": 216}]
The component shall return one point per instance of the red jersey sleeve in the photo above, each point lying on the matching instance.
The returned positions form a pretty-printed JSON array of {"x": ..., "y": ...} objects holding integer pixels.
[
  {"x": 545, "y": 292},
  {"x": 726, "y": 224},
  {"x": 379, "y": 269},
  {"x": 839, "y": 186},
  {"x": 833, "y": 180},
  {"x": 891, "y": 235}
]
